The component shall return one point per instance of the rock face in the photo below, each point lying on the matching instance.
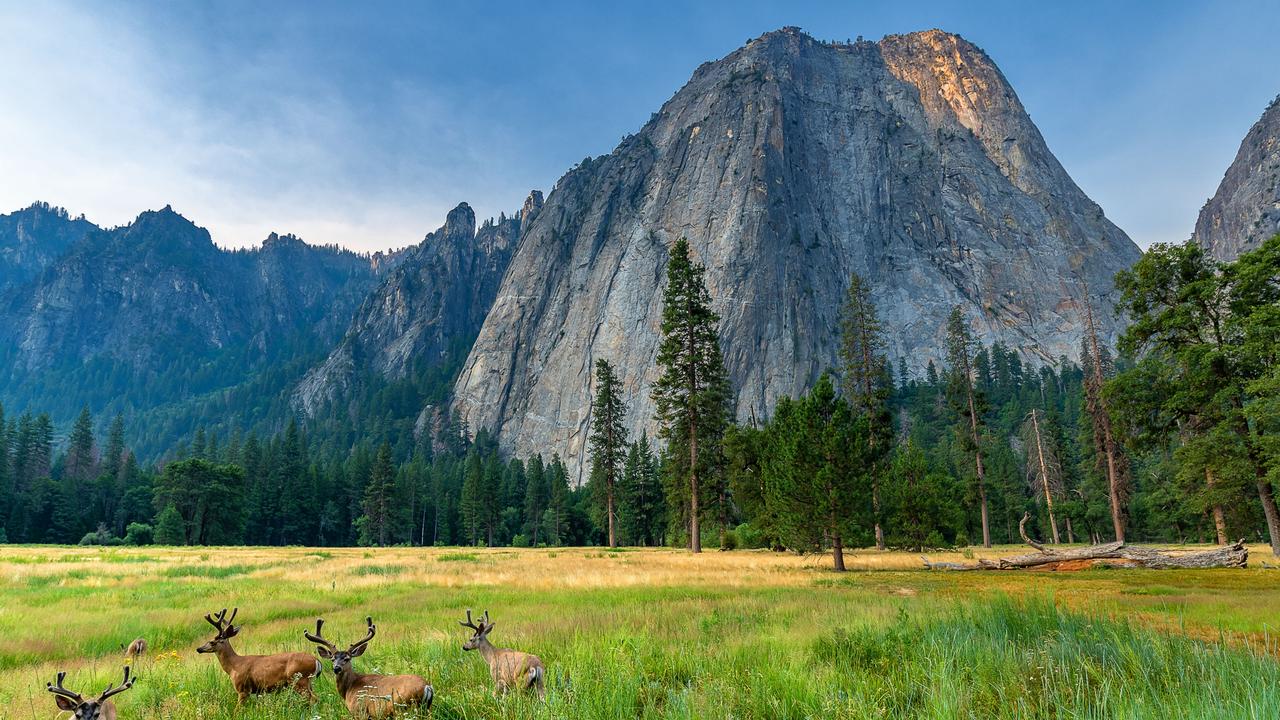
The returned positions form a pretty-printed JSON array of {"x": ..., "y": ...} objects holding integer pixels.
[
  {"x": 1246, "y": 208},
  {"x": 425, "y": 310},
  {"x": 33, "y": 239},
  {"x": 790, "y": 164}
]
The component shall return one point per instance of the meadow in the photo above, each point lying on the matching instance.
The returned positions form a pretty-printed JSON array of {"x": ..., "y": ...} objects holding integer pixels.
[{"x": 653, "y": 633}]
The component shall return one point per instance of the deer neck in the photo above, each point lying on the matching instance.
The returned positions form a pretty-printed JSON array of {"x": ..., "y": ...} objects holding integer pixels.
[
  {"x": 352, "y": 680},
  {"x": 227, "y": 657},
  {"x": 487, "y": 650}
]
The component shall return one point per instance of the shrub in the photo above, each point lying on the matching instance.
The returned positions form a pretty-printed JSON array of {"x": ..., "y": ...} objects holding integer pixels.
[
  {"x": 137, "y": 534},
  {"x": 101, "y": 536},
  {"x": 962, "y": 539},
  {"x": 935, "y": 540},
  {"x": 520, "y": 540},
  {"x": 4, "y": 537},
  {"x": 730, "y": 541}
]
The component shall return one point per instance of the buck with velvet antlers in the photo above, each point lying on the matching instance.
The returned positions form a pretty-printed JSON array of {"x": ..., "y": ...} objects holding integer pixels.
[
  {"x": 510, "y": 669},
  {"x": 370, "y": 695},
  {"x": 257, "y": 674},
  {"x": 96, "y": 709}
]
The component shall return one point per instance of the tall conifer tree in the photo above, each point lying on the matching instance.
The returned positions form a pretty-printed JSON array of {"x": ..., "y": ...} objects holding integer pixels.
[{"x": 691, "y": 396}]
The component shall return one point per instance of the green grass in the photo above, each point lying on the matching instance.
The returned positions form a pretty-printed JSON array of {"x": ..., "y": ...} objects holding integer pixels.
[{"x": 757, "y": 636}]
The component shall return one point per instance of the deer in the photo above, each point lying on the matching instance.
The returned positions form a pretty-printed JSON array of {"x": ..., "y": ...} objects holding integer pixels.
[
  {"x": 369, "y": 695},
  {"x": 510, "y": 669},
  {"x": 257, "y": 674},
  {"x": 136, "y": 649},
  {"x": 97, "y": 709}
]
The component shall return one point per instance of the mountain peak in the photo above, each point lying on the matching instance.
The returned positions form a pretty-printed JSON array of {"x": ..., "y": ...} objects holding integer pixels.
[
  {"x": 460, "y": 222},
  {"x": 1245, "y": 210}
]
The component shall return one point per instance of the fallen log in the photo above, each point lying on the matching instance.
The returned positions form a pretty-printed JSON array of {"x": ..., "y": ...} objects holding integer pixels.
[{"x": 1114, "y": 554}]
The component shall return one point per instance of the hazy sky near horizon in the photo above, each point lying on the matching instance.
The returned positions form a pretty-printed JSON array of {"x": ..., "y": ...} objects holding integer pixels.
[{"x": 362, "y": 124}]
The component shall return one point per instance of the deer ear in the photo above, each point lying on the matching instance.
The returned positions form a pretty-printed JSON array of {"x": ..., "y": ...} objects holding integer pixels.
[
  {"x": 488, "y": 628},
  {"x": 358, "y": 651},
  {"x": 323, "y": 652},
  {"x": 232, "y": 631},
  {"x": 66, "y": 703}
]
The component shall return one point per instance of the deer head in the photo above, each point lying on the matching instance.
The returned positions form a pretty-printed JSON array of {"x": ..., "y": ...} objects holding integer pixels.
[
  {"x": 225, "y": 627},
  {"x": 480, "y": 632},
  {"x": 82, "y": 709},
  {"x": 329, "y": 651}
]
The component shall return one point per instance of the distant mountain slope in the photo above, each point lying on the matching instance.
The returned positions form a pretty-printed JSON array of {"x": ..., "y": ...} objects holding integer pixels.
[
  {"x": 1246, "y": 208},
  {"x": 33, "y": 239},
  {"x": 153, "y": 313},
  {"x": 789, "y": 164}
]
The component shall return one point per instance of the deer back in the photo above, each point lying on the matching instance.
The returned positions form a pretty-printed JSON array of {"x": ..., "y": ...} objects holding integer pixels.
[
  {"x": 514, "y": 669},
  {"x": 380, "y": 696}
]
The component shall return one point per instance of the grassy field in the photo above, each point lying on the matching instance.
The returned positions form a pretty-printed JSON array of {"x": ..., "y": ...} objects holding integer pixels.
[{"x": 655, "y": 633}]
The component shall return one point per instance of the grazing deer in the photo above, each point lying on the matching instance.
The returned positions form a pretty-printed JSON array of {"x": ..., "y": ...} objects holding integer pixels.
[
  {"x": 255, "y": 674},
  {"x": 136, "y": 649},
  {"x": 370, "y": 695},
  {"x": 509, "y": 668},
  {"x": 81, "y": 709}
]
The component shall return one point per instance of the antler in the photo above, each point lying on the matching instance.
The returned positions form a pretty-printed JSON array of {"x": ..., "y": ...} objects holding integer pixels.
[
  {"x": 469, "y": 623},
  {"x": 372, "y": 629},
  {"x": 220, "y": 621},
  {"x": 128, "y": 683},
  {"x": 58, "y": 689},
  {"x": 318, "y": 638}
]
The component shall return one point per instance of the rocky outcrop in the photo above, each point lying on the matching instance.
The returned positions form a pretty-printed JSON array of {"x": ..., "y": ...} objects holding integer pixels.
[
  {"x": 427, "y": 309},
  {"x": 1246, "y": 208},
  {"x": 790, "y": 164},
  {"x": 33, "y": 239}
]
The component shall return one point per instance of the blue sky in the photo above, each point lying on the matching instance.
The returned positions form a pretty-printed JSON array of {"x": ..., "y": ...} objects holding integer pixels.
[{"x": 364, "y": 123}]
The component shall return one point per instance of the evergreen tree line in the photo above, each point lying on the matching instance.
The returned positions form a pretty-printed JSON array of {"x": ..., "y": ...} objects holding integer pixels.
[{"x": 1173, "y": 440}]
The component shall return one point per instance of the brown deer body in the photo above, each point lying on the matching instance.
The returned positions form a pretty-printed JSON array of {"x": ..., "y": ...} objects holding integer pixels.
[
  {"x": 510, "y": 669},
  {"x": 368, "y": 695},
  {"x": 257, "y": 674},
  {"x": 81, "y": 709},
  {"x": 136, "y": 649}
]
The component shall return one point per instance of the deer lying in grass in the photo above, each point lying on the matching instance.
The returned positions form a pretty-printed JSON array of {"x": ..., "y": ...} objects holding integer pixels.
[
  {"x": 510, "y": 669},
  {"x": 81, "y": 709},
  {"x": 370, "y": 695},
  {"x": 256, "y": 674}
]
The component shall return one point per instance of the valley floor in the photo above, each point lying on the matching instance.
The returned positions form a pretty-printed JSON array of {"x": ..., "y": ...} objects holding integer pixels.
[{"x": 654, "y": 633}]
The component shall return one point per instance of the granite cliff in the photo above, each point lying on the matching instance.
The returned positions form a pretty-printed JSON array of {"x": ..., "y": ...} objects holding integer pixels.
[{"x": 790, "y": 164}]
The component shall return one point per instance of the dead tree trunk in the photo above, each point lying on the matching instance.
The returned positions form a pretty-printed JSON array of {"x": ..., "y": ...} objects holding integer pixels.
[{"x": 1115, "y": 554}]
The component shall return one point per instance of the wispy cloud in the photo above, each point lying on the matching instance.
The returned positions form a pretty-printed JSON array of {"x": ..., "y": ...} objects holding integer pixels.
[{"x": 111, "y": 114}]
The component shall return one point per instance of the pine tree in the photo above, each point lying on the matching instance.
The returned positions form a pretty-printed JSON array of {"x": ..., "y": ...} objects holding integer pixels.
[
  {"x": 642, "y": 492},
  {"x": 80, "y": 462},
  {"x": 375, "y": 523},
  {"x": 1110, "y": 454},
  {"x": 1043, "y": 468},
  {"x": 965, "y": 400},
  {"x": 535, "y": 497},
  {"x": 472, "y": 502},
  {"x": 557, "y": 500},
  {"x": 810, "y": 478},
  {"x": 113, "y": 456},
  {"x": 866, "y": 381},
  {"x": 169, "y": 527},
  {"x": 608, "y": 444},
  {"x": 691, "y": 397}
]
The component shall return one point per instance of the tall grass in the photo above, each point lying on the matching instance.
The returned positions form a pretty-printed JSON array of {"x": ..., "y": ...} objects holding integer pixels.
[{"x": 797, "y": 642}]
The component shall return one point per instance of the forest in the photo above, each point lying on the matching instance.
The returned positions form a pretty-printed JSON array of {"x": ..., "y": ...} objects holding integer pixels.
[{"x": 1172, "y": 436}]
